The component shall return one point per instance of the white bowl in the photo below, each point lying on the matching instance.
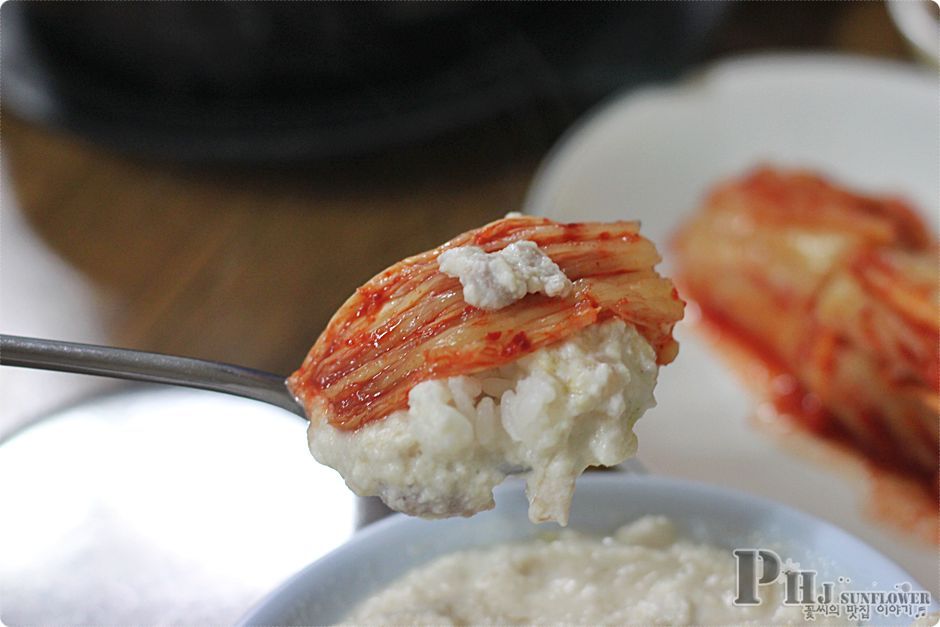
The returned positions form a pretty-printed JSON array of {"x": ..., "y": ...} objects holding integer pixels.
[{"x": 327, "y": 590}]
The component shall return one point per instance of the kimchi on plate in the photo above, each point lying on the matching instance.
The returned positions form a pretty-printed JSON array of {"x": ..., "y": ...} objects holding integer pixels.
[{"x": 837, "y": 293}]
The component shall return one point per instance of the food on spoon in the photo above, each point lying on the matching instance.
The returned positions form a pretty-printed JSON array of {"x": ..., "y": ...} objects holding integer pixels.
[
  {"x": 523, "y": 344},
  {"x": 642, "y": 574},
  {"x": 838, "y": 293}
]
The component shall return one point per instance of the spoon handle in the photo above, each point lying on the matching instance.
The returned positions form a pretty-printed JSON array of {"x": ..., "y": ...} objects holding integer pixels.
[{"x": 120, "y": 363}]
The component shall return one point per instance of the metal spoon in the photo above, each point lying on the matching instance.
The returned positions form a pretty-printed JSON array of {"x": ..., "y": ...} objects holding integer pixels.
[{"x": 121, "y": 363}]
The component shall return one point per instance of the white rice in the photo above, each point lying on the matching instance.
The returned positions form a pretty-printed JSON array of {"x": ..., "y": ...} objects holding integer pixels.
[{"x": 556, "y": 412}]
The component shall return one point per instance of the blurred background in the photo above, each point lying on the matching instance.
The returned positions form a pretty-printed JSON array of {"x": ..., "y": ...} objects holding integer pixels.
[
  {"x": 213, "y": 179},
  {"x": 220, "y": 176}
]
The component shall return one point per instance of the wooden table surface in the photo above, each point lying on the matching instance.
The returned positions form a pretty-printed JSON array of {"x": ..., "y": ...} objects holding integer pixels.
[{"x": 247, "y": 266}]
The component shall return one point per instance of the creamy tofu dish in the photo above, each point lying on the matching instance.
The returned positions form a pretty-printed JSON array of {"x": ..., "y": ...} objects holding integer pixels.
[
  {"x": 523, "y": 347},
  {"x": 642, "y": 574},
  {"x": 553, "y": 413},
  {"x": 497, "y": 280}
]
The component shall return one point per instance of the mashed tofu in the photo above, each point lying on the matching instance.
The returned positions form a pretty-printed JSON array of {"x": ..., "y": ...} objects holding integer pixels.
[
  {"x": 642, "y": 574},
  {"x": 497, "y": 280},
  {"x": 554, "y": 412}
]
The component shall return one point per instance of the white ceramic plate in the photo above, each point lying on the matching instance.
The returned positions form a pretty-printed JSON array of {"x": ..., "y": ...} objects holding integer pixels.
[
  {"x": 651, "y": 154},
  {"x": 326, "y": 591}
]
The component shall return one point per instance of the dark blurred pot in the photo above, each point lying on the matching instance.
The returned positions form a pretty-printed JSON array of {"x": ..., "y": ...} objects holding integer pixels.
[{"x": 286, "y": 80}]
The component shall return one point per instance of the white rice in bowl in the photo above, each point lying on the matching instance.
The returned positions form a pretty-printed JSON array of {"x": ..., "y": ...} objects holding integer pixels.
[{"x": 555, "y": 412}]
